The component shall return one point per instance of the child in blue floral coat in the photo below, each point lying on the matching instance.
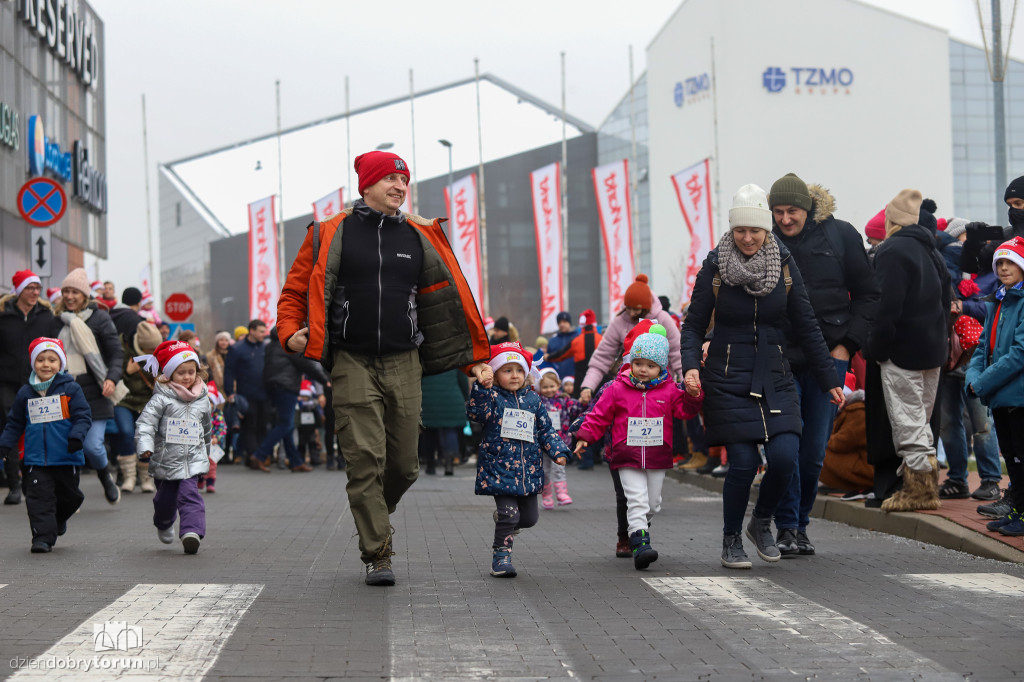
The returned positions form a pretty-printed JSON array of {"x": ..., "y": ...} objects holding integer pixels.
[{"x": 517, "y": 434}]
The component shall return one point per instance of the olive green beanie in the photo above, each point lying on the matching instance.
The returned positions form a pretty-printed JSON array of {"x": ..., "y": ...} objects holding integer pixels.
[{"x": 790, "y": 190}]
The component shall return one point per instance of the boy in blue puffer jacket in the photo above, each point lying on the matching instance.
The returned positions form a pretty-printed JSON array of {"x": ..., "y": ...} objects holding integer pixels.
[
  {"x": 996, "y": 374},
  {"x": 517, "y": 434},
  {"x": 52, "y": 413}
]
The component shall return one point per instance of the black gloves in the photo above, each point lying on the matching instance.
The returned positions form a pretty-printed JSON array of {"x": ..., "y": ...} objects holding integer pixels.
[{"x": 74, "y": 445}]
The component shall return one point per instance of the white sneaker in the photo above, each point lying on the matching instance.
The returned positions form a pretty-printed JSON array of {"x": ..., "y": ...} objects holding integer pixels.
[
  {"x": 190, "y": 541},
  {"x": 166, "y": 536}
]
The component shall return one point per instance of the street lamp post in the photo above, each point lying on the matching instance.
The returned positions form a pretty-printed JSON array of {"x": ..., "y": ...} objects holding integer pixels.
[{"x": 448, "y": 144}]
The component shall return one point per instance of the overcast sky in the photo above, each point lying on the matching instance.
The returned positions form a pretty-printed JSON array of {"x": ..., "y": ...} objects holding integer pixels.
[{"x": 208, "y": 68}]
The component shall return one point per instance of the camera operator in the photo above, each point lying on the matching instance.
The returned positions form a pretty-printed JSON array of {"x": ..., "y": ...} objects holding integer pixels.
[{"x": 983, "y": 240}]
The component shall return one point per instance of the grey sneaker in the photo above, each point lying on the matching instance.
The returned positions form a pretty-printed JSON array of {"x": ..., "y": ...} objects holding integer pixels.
[
  {"x": 190, "y": 542},
  {"x": 759, "y": 531},
  {"x": 166, "y": 536},
  {"x": 997, "y": 509},
  {"x": 733, "y": 555},
  {"x": 786, "y": 542},
  {"x": 987, "y": 491}
]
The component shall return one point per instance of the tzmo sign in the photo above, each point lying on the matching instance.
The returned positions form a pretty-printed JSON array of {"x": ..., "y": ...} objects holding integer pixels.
[
  {"x": 691, "y": 89},
  {"x": 775, "y": 79}
]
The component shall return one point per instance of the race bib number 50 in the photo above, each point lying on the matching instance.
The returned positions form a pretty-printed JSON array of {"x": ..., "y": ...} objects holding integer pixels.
[
  {"x": 645, "y": 431},
  {"x": 517, "y": 424},
  {"x": 184, "y": 432}
]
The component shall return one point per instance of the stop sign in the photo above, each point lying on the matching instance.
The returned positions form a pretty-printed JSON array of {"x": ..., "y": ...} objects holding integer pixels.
[{"x": 178, "y": 307}]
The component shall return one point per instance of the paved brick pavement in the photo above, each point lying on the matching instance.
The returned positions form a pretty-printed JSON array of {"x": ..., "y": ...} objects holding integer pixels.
[{"x": 575, "y": 611}]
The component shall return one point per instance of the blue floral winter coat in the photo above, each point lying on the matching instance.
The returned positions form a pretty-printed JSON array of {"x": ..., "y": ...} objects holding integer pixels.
[{"x": 507, "y": 466}]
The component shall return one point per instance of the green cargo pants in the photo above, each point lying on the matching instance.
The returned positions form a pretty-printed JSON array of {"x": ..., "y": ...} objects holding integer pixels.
[{"x": 377, "y": 403}]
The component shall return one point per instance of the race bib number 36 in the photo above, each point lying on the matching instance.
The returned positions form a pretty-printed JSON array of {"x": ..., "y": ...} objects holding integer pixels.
[
  {"x": 184, "y": 432},
  {"x": 42, "y": 410},
  {"x": 517, "y": 424},
  {"x": 645, "y": 431}
]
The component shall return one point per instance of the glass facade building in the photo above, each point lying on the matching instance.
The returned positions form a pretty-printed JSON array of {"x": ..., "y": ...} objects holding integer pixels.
[
  {"x": 52, "y": 82},
  {"x": 974, "y": 160}
]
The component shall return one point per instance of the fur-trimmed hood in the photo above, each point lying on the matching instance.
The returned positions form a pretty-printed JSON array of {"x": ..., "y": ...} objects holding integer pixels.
[{"x": 823, "y": 204}]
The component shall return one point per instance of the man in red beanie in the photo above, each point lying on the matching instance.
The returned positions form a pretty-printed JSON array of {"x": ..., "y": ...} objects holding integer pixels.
[{"x": 385, "y": 302}]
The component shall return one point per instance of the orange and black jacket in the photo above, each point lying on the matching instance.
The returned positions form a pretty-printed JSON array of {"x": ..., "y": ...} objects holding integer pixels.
[
  {"x": 447, "y": 314},
  {"x": 581, "y": 347}
]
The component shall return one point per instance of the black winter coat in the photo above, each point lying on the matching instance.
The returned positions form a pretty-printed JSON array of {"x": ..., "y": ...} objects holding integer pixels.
[
  {"x": 17, "y": 331},
  {"x": 109, "y": 343},
  {"x": 841, "y": 286},
  {"x": 911, "y": 326},
  {"x": 282, "y": 371},
  {"x": 126, "y": 321},
  {"x": 749, "y": 392}
]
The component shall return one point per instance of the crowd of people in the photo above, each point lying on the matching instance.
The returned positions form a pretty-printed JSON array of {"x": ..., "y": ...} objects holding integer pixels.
[{"x": 804, "y": 359}]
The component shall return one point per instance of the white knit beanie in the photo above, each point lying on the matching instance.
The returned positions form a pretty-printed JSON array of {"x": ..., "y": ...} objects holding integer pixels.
[{"x": 750, "y": 209}]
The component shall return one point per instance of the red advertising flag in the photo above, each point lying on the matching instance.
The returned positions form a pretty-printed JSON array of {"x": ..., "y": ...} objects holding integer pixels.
[
  {"x": 328, "y": 205},
  {"x": 464, "y": 233},
  {"x": 264, "y": 282},
  {"x": 611, "y": 185},
  {"x": 693, "y": 189},
  {"x": 545, "y": 184}
]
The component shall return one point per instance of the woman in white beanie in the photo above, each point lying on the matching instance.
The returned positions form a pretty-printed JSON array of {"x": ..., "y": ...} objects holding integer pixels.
[
  {"x": 749, "y": 288},
  {"x": 95, "y": 359}
]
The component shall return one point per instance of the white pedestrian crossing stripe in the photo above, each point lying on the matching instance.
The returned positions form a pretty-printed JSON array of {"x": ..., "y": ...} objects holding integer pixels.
[
  {"x": 150, "y": 632},
  {"x": 992, "y": 584},
  {"x": 784, "y": 633}
]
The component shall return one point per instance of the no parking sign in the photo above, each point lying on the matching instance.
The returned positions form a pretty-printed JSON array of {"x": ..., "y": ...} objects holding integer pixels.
[{"x": 42, "y": 202}]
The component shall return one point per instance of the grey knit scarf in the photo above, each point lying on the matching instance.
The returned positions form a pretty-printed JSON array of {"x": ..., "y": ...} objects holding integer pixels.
[{"x": 758, "y": 274}]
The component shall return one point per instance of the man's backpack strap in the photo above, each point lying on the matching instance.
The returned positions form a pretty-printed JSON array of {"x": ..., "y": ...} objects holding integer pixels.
[{"x": 316, "y": 241}]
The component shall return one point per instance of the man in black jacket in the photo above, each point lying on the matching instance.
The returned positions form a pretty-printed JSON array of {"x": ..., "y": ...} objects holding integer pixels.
[
  {"x": 910, "y": 342},
  {"x": 243, "y": 375},
  {"x": 983, "y": 240},
  {"x": 844, "y": 295},
  {"x": 22, "y": 320}
]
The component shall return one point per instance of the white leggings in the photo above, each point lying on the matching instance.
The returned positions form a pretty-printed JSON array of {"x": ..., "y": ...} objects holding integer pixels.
[
  {"x": 553, "y": 471},
  {"x": 643, "y": 495}
]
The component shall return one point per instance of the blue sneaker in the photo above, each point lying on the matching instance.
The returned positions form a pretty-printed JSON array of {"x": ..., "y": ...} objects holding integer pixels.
[
  {"x": 501, "y": 563},
  {"x": 643, "y": 554},
  {"x": 1000, "y": 522},
  {"x": 1015, "y": 527}
]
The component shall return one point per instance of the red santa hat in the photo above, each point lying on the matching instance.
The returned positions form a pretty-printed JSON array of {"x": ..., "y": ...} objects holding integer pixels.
[
  {"x": 97, "y": 287},
  {"x": 46, "y": 343},
  {"x": 53, "y": 293},
  {"x": 642, "y": 327},
  {"x": 22, "y": 278},
  {"x": 538, "y": 374},
  {"x": 587, "y": 317},
  {"x": 213, "y": 394},
  {"x": 850, "y": 384},
  {"x": 509, "y": 352},
  {"x": 306, "y": 388},
  {"x": 1012, "y": 251},
  {"x": 488, "y": 323},
  {"x": 147, "y": 298},
  {"x": 167, "y": 357}
]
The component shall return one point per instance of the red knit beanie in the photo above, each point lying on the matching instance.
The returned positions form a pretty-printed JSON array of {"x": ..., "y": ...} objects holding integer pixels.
[
  {"x": 638, "y": 294},
  {"x": 875, "y": 229},
  {"x": 641, "y": 327},
  {"x": 372, "y": 166}
]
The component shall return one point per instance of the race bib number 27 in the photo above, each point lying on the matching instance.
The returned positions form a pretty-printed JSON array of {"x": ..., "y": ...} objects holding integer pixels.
[{"x": 645, "y": 432}]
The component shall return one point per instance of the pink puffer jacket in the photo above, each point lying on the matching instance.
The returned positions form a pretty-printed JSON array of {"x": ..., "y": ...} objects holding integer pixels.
[{"x": 620, "y": 401}]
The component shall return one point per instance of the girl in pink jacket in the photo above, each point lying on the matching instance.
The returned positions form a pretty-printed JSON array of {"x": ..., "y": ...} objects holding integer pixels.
[{"x": 639, "y": 407}]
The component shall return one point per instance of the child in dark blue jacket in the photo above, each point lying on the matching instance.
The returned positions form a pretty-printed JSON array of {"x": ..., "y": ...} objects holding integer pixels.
[
  {"x": 517, "y": 434},
  {"x": 52, "y": 413}
]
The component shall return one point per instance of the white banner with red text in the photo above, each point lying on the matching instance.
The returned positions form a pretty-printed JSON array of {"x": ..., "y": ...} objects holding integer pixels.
[
  {"x": 693, "y": 189},
  {"x": 327, "y": 206},
  {"x": 611, "y": 185},
  {"x": 545, "y": 184},
  {"x": 464, "y": 233},
  {"x": 264, "y": 282}
]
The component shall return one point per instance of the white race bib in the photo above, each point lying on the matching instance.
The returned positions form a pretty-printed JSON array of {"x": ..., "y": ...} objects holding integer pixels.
[
  {"x": 42, "y": 410},
  {"x": 556, "y": 419},
  {"x": 307, "y": 418},
  {"x": 216, "y": 452},
  {"x": 184, "y": 432},
  {"x": 517, "y": 424},
  {"x": 645, "y": 431}
]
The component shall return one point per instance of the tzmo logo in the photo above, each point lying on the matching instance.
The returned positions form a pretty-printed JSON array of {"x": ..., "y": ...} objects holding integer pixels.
[
  {"x": 809, "y": 79},
  {"x": 692, "y": 89},
  {"x": 116, "y": 635}
]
